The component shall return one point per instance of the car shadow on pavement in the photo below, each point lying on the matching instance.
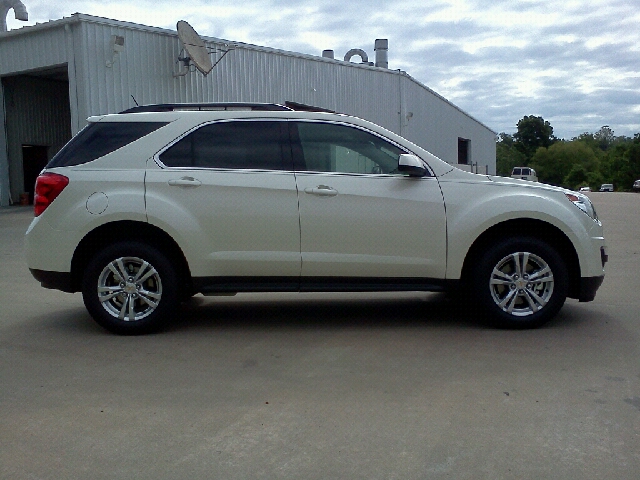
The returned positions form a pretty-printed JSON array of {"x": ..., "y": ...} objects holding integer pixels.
[
  {"x": 428, "y": 311},
  {"x": 423, "y": 310},
  {"x": 311, "y": 311}
]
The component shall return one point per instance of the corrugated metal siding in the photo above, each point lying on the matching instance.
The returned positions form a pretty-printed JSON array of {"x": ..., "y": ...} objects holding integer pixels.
[
  {"x": 143, "y": 69},
  {"x": 39, "y": 49}
]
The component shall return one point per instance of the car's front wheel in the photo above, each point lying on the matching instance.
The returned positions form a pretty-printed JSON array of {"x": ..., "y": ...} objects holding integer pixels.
[
  {"x": 520, "y": 283},
  {"x": 130, "y": 288}
]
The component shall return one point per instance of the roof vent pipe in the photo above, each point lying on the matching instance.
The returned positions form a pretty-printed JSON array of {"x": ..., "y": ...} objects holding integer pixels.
[
  {"x": 19, "y": 10},
  {"x": 356, "y": 51},
  {"x": 328, "y": 54},
  {"x": 382, "y": 50}
]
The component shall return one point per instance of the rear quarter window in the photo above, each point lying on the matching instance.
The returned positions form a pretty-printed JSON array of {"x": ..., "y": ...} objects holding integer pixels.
[{"x": 98, "y": 139}]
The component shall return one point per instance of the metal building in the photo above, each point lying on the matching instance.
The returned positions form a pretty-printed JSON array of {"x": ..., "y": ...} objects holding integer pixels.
[{"x": 56, "y": 74}]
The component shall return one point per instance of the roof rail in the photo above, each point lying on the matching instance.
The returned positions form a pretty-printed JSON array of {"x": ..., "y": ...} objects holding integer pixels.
[
  {"x": 170, "y": 107},
  {"x": 301, "y": 107}
]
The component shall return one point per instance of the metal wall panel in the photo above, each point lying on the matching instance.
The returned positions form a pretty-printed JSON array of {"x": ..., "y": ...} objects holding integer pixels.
[{"x": 41, "y": 48}]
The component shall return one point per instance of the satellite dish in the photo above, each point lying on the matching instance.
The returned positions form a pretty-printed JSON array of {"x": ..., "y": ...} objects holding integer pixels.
[{"x": 195, "y": 47}]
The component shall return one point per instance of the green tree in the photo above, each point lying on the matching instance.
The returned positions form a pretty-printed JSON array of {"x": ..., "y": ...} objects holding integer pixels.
[
  {"x": 622, "y": 165},
  {"x": 507, "y": 155},
  {"x": 581, "y": 175},
  {"x": 533, "y": 133},
  {"x": 589, "y": 159},
  {"x": 577, "y": 176},
  {"x": 566, "y": 164},
  {"x": 604, "y": 138}
]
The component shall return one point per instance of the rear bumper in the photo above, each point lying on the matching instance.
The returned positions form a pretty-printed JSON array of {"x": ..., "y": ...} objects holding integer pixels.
[
  {"x": 588, "y": 288},
  {"x": 53, "y": 280}
]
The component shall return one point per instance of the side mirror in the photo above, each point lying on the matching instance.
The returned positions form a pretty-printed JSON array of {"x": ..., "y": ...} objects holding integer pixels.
[{"x": 412, "y": 165}]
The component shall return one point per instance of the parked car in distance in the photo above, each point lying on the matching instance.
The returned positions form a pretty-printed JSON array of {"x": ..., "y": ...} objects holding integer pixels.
[
  {"x": 524, "y": 173},
  {"x": 585, "y": 189},
  {"x": 606, "y": 187},
  {"x": 143, "y": 209},
  {"x": 636, "y": 186}
]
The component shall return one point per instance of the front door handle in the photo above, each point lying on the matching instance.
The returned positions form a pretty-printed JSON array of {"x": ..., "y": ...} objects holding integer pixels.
[
  {"x": 322, "y": 191},
  {"x": 185, "y": 182}
]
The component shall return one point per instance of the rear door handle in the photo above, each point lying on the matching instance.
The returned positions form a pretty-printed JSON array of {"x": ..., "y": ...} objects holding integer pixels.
[
  {"x": 185, "y": 182},
  {"x": 322, "y": 191}
]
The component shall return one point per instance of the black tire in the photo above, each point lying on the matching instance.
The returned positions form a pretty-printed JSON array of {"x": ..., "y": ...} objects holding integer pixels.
[
  {"x": 142, "y": 301},
  {"x": 522, "y": 294}
]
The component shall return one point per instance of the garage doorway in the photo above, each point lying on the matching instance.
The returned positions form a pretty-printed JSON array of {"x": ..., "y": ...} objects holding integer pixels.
[
  {"x": 34, "y": 159},
  {"x": 37, "y": 124}
]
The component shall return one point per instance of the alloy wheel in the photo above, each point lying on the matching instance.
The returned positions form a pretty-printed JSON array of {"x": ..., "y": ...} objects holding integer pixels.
[
  {"x": 521, "y": 284},
  {"x": 129, "y": 289}
]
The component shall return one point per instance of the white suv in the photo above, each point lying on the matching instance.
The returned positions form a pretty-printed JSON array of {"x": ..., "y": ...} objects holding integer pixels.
[{"x": 143, "y": 209}]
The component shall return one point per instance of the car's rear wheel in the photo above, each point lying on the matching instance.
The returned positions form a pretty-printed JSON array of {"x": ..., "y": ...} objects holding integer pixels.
[
  {"x": 130, "y": 288},
  {"x": 520, "y": 283}
]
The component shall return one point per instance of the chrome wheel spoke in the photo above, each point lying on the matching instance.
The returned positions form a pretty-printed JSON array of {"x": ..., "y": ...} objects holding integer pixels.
[
  {"x": 512, "y": 303},
  {"x": 107, "y": 293},
  {"x": 545, "y": 273},
  {"x": 141, "y": 270},
  {"x": 146, "y": 276},
  {"x": 541, "y": 283},
  {"x": 122, "y": 269},
  {"x": 518, "y": 265},
  {"x": 500, "y": 278},
  {"x": 124, "y": 307},
  {"x": 132, "y": 312},
  {"x": 112, "y": 267},
  {"x": 510, "y": 300},
  {"x": 533, "y": 300},
  {"x": 149, "y": 298},
  {"x": 537, "y": 298}
]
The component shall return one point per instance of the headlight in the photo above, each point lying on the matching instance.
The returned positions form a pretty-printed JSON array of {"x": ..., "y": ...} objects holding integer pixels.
[{"x": 583, "y": 203}]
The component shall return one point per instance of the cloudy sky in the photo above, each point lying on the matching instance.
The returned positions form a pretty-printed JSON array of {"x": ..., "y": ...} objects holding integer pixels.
[{"x": 576, "y": 63}]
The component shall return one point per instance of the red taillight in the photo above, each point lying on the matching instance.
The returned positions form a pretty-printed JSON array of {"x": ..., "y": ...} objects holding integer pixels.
[{"x": 48, "y": 187}]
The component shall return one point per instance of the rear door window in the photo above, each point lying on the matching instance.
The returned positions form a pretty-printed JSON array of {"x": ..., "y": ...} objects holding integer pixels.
[
  {"x": 98, "y": 139},
  {"x": 254, "y": 145}
]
